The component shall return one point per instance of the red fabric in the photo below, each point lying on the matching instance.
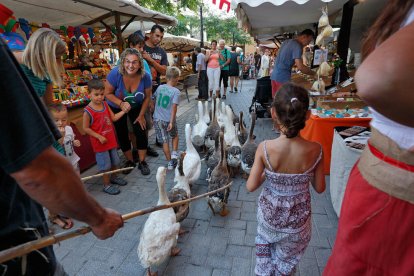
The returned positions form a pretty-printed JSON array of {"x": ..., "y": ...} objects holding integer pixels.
[
  {"x": 275, "y": 86},
  {"x": 321, "y": 130},
  {"x": 390, "y": 160},
  {"x": 375, "y": 233},
  {"x": 101, "y": 123},
  {"x": 85, "y": 151}
]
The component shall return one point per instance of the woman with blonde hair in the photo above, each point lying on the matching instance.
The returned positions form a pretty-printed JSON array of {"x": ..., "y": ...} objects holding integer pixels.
[
  {"x": 128, "y": 87},
  {"x": 375, "y": 231},
  {"x": 41, "y": 62}
]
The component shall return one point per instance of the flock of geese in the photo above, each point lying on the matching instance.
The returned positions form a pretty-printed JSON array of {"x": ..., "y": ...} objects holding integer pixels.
[{"x": 228, "y": 146}]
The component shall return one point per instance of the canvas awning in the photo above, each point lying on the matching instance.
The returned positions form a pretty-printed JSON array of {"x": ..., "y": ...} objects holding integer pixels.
[
  {"x": 279, "y": 16},
  {"x": 84, "y": 12},
  {"x": 273, "y": 17},
  {"x": 173, "y": 43}
]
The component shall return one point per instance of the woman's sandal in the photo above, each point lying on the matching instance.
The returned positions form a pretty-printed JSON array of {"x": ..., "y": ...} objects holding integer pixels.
[{"x": 61, "y": 221}]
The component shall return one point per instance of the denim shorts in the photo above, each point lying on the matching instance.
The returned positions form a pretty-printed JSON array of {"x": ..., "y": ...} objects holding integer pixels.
[
  {"x": 162, "y": 133},
  {"x": 107, "y": 159}
]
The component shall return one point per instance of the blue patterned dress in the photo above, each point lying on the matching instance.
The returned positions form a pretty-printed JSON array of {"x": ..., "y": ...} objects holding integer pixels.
[{"x": 284, "y": 220}]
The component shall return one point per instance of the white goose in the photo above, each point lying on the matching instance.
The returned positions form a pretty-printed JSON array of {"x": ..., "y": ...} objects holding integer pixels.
[
  {"x": 192, "y": 162},
  {"x": 230, "y": 131},
  {"x": 159, "y": 235},
  {"x": 199, "y": 129},
  {"x": 242, "y": 131},
  {"x": 180, "y": 191},
  {"x": 206, "y": 116},
  {"x": 249, "y": 149}
]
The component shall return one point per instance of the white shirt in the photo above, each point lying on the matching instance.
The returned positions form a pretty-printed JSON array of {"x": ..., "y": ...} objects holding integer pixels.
[
  {"x": 401, "y": 134},
  {"x": 70, "y": 153}
]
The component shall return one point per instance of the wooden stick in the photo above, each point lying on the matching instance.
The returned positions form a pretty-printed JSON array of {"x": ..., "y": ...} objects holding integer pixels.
[
  {"x": 28, "y": 247},
  {"x": 104, "y": 173}
]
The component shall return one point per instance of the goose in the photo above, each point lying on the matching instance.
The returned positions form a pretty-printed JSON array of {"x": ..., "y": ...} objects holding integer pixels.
[
  {"x": 234, "y": 152},
  {"x": 206, "y": 116},
  {"x": 249, "y": 149},
  {"x": 230, "y": 131},
  {"x": 242, "y": 131},
  {"x": 192, "y": 162},
  {"x": 213, "y": 129},
  {"x": 180, "y": 191},
  {"x": 219, "y": 177},
  {"x": 221, "y": 116},
  {"x": 234, "y": 118},
  {"x": 213, "y": 156},
  {"x": 159, "y": 236},
  {"x": 199, "y": 129}
]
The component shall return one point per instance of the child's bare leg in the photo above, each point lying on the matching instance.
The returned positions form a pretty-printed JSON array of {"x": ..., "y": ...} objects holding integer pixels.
[
  {"x": 106, "y": 179},
  {"x": 166, "y": 149},
  {"x": 175, "y": 143}
]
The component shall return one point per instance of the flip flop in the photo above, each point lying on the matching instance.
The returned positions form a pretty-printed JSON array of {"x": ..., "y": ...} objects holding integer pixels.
[
  {"x": 61, "y": 221},
  {"x": 112, "y": 190}
]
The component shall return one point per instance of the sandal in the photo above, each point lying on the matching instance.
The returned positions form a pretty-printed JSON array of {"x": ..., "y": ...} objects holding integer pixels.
[
  {"x": 61, "y": 221},
  {"x": 112, "y": 190}
]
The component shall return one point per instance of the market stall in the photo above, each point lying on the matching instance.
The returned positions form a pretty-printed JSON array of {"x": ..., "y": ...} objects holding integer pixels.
[{"x": 92, "y": 30}]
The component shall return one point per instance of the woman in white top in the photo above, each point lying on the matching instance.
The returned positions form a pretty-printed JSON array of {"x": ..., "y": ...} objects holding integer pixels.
[{"x": 375, "y": 232}]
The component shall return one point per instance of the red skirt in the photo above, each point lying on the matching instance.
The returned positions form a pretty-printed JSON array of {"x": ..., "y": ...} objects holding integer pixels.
[{"x": 375, "y": 233}]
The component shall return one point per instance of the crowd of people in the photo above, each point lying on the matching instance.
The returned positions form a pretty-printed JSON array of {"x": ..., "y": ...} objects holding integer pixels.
[{"x": 374, "y": 232}]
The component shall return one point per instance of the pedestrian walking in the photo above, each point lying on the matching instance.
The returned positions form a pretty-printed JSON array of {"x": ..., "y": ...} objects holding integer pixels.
[
  {"x": 224, "y": 61},
  {"x": 202, "y": 75},
  {"x": 234, "y": 72},
  {"x": 286, "y": 166},
  {"x": 213, "y": 70},
  {"x": 264, "y": 65}
]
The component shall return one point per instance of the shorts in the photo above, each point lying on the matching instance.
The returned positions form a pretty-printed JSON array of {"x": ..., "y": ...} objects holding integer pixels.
[
  {"x": 162, "y": 133},
  {"x": 107, "y": 159},
  {"x": 234, "y": 72}
]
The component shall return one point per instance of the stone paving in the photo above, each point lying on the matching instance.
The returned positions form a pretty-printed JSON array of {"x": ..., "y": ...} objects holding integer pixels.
[{"x": 214, "y": 245}]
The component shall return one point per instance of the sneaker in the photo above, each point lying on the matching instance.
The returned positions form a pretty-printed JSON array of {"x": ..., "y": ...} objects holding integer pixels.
[
  {"x": 112, "y": 190},
  {"x": 235, "y": 89},
  {"x": 128, "y": 164},
  {"x": 172, "y": 164},
  {"x": 143, "y": 167},
  {"x": 151, "y": 152},
  {"x": 223, "y": 97},
  {"x": 231, "y": 91},
  {"x": 118, "y": 181}
]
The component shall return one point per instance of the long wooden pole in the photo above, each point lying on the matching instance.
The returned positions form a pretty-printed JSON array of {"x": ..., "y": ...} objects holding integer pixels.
[
  {"x": 110, "y": 172},
  {"x": 28, "y": 247}
]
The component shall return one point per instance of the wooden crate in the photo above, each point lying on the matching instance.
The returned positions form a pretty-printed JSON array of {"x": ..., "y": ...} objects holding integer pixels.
[{"x": 329, "y": 102}]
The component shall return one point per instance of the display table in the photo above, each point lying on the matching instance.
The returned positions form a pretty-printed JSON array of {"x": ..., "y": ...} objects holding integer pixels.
[
  {"x": 321, "y": 130},
  {"x": 342, "y": 160}
]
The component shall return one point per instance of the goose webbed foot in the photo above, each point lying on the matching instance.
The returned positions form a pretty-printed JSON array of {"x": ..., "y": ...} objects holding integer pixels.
[
  {"x": 211, "y": 207},
  {"x": 175, "y": 251},
  {"x": 149, "y": 273}
]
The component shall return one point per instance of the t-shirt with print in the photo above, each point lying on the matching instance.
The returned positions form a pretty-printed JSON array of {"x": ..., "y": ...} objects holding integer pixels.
[
  {"x": 133, "y": 98},
  {"x": 160, "y": 56},
  {"x": 165, "y": 96},
  {"x": 23, "y": 138},
  {"x": 289, "y": 51},
  {"x": 70, "y": 153},
  {"x": 226, "y": 55}
]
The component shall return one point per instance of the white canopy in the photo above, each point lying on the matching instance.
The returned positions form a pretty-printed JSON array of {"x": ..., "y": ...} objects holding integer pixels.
[
  {"x": 173, "y": 43},
  {"x": 84, "y": 12},
  {"x": 260, "y": 17}
]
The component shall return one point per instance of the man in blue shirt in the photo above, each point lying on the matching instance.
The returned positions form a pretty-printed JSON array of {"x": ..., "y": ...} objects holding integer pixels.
[{"x": 290, "y": 54}]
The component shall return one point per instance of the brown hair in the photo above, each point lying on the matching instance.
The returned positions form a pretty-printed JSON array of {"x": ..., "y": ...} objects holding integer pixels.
[
  {"x": 291, "y": 104},
  {"x": 387, "y": 23},
  {"x": 95, "y": 84}
]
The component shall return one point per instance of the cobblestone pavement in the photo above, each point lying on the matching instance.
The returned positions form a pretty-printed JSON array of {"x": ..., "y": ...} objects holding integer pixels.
[{"x": 214, "y": 245}]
